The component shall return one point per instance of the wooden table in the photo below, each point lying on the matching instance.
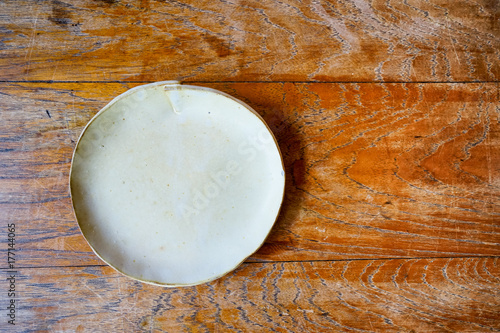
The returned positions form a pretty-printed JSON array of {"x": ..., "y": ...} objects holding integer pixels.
[{"x": 387, "y": 114}]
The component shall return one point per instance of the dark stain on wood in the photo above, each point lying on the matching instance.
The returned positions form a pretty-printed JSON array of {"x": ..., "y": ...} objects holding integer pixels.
[
  {"x": 220, "y": 46},
  {"x": 60, "y": 15},
  {"x": 145, "y": 323},
  {"x": 108, "y": 2}
]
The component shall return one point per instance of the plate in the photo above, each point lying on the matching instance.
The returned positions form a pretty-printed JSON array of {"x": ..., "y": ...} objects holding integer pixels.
[{"x": 176, "y": 185}]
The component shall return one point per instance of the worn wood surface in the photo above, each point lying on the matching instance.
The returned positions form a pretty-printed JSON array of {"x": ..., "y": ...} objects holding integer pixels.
[
  {"x": 425, "y": 295},
  {"x": 150, "y": 40},
  {"x": 387, "y": 115},
  {"x": 374, "y": 170}
]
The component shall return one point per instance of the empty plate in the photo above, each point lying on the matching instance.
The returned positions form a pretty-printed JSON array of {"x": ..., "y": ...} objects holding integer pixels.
[{"x": 175, "y": 184}]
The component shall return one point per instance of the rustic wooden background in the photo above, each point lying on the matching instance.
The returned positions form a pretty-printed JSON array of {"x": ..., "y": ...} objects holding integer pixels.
[{"x": 388, "y": 117}]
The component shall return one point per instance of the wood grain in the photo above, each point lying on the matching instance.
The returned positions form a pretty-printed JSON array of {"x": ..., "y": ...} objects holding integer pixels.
[
  {"x": 373, "y": 170},
  {"x": 388, "y": 117},
  {"x": 412, "y": 295},
  {"x": 245, "y": 40}
]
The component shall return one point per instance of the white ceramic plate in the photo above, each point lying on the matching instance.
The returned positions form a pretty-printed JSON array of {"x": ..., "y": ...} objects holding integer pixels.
[{"x": 176, "y": 185}]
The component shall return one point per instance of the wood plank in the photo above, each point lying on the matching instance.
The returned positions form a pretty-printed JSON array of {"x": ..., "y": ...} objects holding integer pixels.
[
  {"x": 153, "y": 40},
  {"x": 419, "y": 295},
  {"x": 373, "y": 170}
]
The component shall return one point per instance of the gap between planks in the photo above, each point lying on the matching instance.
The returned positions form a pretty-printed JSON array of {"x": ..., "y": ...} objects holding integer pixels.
[
  {"x": 298, "y": 82},
  {"x": 252, "y": 262}
]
